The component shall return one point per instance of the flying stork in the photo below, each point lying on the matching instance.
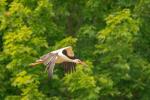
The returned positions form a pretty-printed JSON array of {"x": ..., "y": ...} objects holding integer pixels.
[{"x": 63, "y": 56}]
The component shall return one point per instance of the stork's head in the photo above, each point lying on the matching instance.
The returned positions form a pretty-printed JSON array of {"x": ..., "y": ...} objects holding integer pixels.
[{"x": 78, "y": 61}]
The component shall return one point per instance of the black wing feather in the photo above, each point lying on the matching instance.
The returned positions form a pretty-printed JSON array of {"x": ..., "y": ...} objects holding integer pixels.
[{"x": 69, "y": 67}]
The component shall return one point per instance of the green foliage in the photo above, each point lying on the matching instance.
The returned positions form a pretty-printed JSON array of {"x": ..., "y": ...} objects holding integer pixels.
[
  {"x": 79, "y": 83},
  {"x": 86, "y": 35},
  {"x": 28, "y": 85},
  {"x": 119, "y": 62},
  {"x": 112, "y": 36},
  {"x": 69, "y": 41}
]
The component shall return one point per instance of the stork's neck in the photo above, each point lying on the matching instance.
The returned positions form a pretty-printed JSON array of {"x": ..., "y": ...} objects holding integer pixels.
[{"x": 74, "y": 60}]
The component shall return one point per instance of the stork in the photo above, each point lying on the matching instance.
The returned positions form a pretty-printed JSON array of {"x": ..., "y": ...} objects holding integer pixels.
[{"x": 63, "y": 56}]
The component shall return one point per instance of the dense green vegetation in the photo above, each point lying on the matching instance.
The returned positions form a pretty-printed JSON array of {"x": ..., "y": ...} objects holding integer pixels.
[{"x": 112, "y": 36}]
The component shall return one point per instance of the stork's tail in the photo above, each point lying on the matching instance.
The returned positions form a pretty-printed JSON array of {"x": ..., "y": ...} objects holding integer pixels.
[{"x": 36, "y": 63}]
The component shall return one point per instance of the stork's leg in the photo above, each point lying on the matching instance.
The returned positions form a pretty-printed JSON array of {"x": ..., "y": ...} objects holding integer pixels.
[{"x": 36, "y": 63}]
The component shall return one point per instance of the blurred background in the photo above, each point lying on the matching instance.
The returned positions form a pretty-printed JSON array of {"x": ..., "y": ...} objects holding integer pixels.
[{"x": 111, "y": 36}]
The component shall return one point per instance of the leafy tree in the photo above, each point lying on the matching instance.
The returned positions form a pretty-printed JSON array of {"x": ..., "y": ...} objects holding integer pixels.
[
  {"x": 119, "y": 66},
  {"x": 112, "y": 36}
]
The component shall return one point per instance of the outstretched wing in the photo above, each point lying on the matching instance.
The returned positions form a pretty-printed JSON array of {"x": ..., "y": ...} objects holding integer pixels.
[
  {"x": 46, "y": 57},
  {"x": 49, "y": 60},
  {"x": 50, "y": 66},
  {"x": 69, "y": 51},
  {"x": 69, "y": 67}
]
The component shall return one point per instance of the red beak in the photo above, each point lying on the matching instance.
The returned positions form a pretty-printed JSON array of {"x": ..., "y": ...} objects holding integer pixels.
[{"x": 83, "y": 63}]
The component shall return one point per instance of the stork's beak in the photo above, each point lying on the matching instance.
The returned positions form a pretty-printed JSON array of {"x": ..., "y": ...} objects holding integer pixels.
[{"x": 84, "y": 64}]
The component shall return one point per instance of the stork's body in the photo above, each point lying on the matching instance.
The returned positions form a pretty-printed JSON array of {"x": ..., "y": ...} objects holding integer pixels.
[{"x": 63, "y": 56}]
